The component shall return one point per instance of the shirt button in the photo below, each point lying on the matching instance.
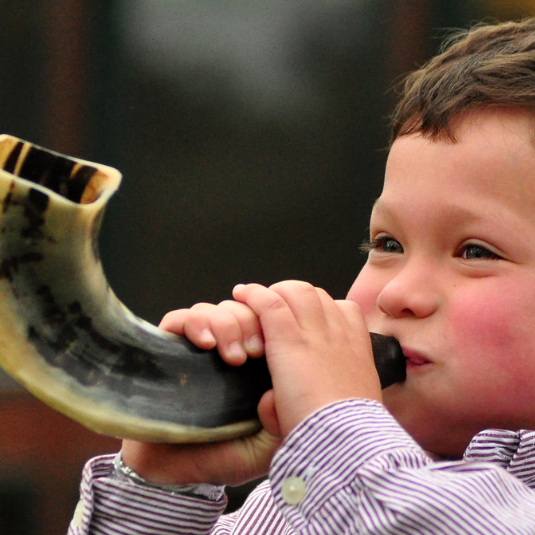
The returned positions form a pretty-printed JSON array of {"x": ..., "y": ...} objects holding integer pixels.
[
  {"x": 293, "y": 490},
  {"x": 78, "y": 515}
]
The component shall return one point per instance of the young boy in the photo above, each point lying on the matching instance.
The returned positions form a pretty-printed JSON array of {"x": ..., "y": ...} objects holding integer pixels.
[{"x": 450, "y": 274}]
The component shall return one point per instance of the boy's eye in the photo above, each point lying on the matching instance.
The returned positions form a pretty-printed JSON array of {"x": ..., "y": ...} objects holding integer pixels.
[
  {"x": 477, "y": 252},
  {"x": 384, "y": 244}
]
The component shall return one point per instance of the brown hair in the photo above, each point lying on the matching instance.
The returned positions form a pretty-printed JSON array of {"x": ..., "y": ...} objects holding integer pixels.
[{"x": 488, "y": 65}]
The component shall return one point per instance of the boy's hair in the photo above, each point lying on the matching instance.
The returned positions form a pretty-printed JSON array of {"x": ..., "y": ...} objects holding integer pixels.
[{"x": 488, "y": 65}]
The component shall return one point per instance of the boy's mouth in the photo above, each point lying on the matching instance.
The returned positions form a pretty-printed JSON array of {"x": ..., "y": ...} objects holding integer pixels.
[{"x": 414, "y": 358}]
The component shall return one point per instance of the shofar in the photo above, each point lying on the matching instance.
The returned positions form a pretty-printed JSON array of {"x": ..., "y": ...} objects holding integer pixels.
[{"x": 68, "y": 340}]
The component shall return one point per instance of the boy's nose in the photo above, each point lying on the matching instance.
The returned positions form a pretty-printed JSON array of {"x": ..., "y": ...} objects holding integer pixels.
[{"x": 411, "y": 292}]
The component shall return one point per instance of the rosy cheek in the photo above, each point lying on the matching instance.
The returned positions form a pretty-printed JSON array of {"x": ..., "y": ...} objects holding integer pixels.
[
  {"x": 489, "y": 343},
  {"x": 487, "y": 324}
]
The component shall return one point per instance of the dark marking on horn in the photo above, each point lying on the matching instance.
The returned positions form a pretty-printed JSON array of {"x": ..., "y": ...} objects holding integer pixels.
[
  {"x": 6, "y": 268},
  {"x": 9, "y": 266},
  {"x": 48, "y": 169},
  {"x": 78, "y": 182},
  {"x": 13, "y": 158},
  {"x": 34, "y": 209},
  {"x": 6, "y": 203},
  {"x": 32, "y": 256}
]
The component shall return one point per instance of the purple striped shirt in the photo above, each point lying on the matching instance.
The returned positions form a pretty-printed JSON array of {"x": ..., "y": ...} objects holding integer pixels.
[{"x": 349, "y": 468}]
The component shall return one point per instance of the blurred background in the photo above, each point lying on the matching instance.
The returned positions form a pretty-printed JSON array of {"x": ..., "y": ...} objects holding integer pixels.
[{"x": 252, "y": 138}]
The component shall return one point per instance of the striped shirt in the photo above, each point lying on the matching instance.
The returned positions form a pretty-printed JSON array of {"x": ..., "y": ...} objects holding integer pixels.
[{"x": 347, "y": 469}]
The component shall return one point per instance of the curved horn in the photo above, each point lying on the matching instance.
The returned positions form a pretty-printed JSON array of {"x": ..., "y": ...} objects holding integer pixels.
[{"x": 66, "y": 337}]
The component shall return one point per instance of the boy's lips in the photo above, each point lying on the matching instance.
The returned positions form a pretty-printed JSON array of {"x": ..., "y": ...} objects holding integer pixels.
[{"x": 415, "y": 359}]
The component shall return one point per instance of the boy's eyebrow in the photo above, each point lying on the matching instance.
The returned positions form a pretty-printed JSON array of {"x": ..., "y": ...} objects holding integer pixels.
[
  {"x": 456, "y": 212},
  {"x": 377, "y": 203},
  {"x": 383, "y": 206}
]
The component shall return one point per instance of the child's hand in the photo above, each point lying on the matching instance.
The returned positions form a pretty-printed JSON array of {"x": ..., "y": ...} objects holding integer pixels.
[
  {"x": 318, "y": 350},
  {"x": 231, "y": 326},
  {"x": 221, "y": 463},
  {"x": 235, "y": 329}
]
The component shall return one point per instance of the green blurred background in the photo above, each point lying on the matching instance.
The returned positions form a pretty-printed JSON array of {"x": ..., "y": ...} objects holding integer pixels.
[{"x": 252, "y": 138}]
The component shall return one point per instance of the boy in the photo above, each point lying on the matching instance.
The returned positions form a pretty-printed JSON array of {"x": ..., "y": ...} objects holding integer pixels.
[{"x": 450, "y": 274}]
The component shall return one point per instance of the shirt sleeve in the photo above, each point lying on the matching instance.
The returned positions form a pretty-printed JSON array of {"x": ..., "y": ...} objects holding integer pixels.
[
  {"x": 350, "y": 468},
  {"x": 109, "y": 505},
  {"x": 514, "y": 451}
]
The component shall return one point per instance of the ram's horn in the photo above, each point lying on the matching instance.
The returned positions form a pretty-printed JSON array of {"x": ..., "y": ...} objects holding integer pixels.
[{"x": 66, "y": 337}]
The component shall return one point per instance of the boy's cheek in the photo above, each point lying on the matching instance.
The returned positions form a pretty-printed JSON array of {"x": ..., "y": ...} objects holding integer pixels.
[
  {"x": 492, "y": 361},
  {"x": 491, "y": 329},
  {"x": 365, "y": 295}
]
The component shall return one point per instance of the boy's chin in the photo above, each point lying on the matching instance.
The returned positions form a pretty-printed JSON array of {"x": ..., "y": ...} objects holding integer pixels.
[{"x": 440, "y": 438}]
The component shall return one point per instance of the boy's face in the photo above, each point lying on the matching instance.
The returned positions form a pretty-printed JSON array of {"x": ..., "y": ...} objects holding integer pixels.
[{"x": 451, "y": 274}]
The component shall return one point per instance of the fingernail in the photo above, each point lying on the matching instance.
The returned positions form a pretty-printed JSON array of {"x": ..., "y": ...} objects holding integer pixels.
[
  {"x": 254, "y": 345},
  {"x": 236, "y": 352},
  {"x": 207, "y": 337}
]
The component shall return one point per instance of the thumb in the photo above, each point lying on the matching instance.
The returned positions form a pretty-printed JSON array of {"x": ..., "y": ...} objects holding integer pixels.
[{"x": 267, "y": 413}]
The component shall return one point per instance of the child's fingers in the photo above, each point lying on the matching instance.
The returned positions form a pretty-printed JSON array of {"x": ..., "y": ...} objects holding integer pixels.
[
  {"x": 183, "y": 323},
  {"x": 307, "y": 302},
  {"x": 271, "y": 308},
  {"x": 355, "y": 320},
  {"x": 251, "y": 332},
  {"x": 318, "y": 349},
  {"x": 237, "y": 331},
  {"x": 291, "y": 303},
  {"x": 352, "y": 314},
  {"x": 267, "y": 414},
  {"x": 232, "y": 327}
]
